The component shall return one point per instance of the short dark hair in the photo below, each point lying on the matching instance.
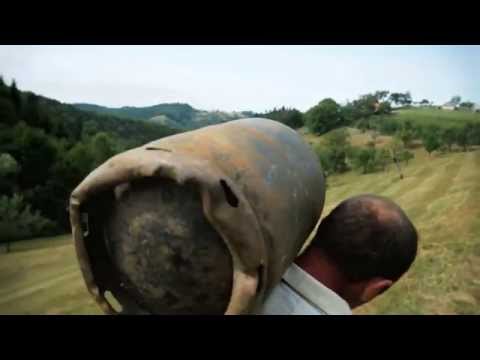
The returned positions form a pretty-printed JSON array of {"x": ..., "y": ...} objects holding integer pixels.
[{"x": 368, "y": 236}]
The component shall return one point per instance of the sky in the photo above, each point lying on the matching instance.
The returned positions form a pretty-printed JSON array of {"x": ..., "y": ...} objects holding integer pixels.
[{"x": 239, "y": 78}]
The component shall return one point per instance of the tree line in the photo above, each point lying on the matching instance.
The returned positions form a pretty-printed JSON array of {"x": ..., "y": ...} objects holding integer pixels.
[
  {"x": 47, "y": 148},
  {"x": 337, "y": 154},
  {"x": 373, "y": 112},
  {"x": 328, "y": 114}
]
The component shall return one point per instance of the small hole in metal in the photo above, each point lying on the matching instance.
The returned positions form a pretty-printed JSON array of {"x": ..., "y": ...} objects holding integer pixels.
[
  {"x": 229, "y": 194},
  {"x": 157, "y": 148}
]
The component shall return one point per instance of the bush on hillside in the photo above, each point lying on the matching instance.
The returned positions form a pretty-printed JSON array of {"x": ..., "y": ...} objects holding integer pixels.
[
  {"x": 325, "y": 116},
  {"x": 369, "y": 159},
  {"x": 18, "y": 221}
]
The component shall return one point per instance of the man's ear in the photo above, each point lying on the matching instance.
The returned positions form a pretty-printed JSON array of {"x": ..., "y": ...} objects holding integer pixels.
[{"x": 375, "y": 287}]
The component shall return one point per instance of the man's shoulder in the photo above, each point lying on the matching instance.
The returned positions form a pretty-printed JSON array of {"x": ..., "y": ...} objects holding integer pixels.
[
  {"x": 300, "y": 294},
  {"x": 284, "y": 300}
]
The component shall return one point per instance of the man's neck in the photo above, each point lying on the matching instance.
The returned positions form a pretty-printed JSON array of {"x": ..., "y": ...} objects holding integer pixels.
[{"x": 315, "y": 263}]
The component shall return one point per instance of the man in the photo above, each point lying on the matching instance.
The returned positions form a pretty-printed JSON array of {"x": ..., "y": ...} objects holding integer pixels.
[{"x": 359, "y": 251}]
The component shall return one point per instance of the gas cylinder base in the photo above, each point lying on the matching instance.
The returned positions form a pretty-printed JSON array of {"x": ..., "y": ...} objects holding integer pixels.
[{"x": 169, "y": 258}]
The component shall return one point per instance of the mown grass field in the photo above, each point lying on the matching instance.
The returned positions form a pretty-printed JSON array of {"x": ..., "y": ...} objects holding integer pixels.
[
  {"x": 42, "y": 276},
  {"x": 440, "y": 193},
  {"x": 438, "y": 117}
]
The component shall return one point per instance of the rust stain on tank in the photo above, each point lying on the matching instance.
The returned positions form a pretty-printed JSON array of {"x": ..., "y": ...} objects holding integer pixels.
[{"x": 208, "y": 226}]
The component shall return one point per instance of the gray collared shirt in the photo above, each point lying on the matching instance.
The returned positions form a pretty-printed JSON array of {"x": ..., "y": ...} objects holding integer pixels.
[{"x": 300, "y": 294}]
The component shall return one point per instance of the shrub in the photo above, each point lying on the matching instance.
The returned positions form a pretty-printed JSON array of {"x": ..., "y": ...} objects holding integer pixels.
[{"x": 18, "y": 221}]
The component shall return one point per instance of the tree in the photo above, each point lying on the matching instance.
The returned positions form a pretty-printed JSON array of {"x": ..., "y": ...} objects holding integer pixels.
[
  {"x": 364, "y": 159},
  {"x": 366, "y": 104},
  {"x": 31, "y": 112},
  {"x": 382, "y": 158},
  {"x": 326, "y": 160},
  {"x": 384, "y": 108},
  {"x": 396, "y": 98},
  {"x": 36, "y": 152},
  {"x": 424, "y": 102},
  {"x": 292, "y": 118},
  {"x": 9, "y": 169},
  {"x": 462, "y": 137},
  {"x": 324, "y": 117},
  {"x": 18, "y": 221},
  {"x": 16, "y": 97},
  {"x": 364, "y": 124},
  {"x": 4, "y": 91},
  {"x": 349, "y": 114},
  {"x": 8, "y": 165},
  {"x": 406, "y": 156},
  {"x": 465, "y": 136},
  {"x": 289, "y": 117},
  {"x": 79, "y": 161},
  {"x": 397, "y": 149},
  {"x": 401, "y": 98},
  {"x": 406, "y": 134},
  {"x": 448, "y": 138},
  {"x": 333, "y": 154},
  {"x": 43, "y": 155},
  {"x": 89, "y": 129},
  {"x": 102, "y": 148},
  {"x": 386, "y": 125},
  {"x": 381, "y": 95},
  {"x": 8, "y": 114},
  {"x": 407, "y": 98},
  {"x": 338, "y": 143},
  {"x": 473, "y": 133},
  {"x": 468, "y": 105},
  {"x": 431, "y": 141},
  {"x": 455, "y": 100}
]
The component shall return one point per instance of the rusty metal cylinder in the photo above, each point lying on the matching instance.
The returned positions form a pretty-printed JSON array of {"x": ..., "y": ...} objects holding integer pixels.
[{"x": 203, "y": 222}]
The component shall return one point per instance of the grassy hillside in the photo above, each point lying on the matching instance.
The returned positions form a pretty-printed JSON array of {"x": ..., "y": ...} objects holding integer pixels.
[
  {"x": 441, "y": 194},
  {"x": 175, "y": 115},
  {"x": 175, "y": 111},
  {"x": 441, "y": 118},
  {"x": 357, "y": 138}
]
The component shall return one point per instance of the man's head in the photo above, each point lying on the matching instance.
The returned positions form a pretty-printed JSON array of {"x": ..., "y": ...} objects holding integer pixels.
[{"x": 370, "y": 242}]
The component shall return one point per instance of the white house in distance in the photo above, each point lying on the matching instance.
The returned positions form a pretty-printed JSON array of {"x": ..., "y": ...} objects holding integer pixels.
[{"x": 449, "y": 106}]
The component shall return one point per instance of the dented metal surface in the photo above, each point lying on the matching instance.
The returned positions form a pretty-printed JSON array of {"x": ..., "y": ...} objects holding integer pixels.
[{"x": 260, "y": 187}]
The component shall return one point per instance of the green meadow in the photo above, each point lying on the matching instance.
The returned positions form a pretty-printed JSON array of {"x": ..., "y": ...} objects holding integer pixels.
[
  {"x": 441, "y": 195},
  {"x": 439, "y": 192}
]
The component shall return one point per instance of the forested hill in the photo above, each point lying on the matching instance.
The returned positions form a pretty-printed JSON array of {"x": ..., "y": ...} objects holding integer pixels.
[
  {"x": 175, "y": 115},
  {"x": 46, "y": 149},
  {"x": 174, "y": 111}
]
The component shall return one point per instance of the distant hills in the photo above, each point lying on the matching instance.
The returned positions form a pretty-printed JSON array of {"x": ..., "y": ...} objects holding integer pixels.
[{"x": 173, "y": 115}]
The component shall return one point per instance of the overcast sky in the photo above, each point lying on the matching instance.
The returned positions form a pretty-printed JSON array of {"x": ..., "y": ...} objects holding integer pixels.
[{"x": 231, "y": 78}]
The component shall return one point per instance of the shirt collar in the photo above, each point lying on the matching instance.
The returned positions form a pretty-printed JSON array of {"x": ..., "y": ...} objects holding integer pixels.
[{"x": 315, "y": 292}]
